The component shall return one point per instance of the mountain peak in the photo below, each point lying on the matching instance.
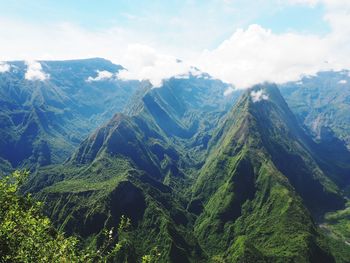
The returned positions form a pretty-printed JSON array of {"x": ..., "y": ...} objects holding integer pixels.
[
  {"x": 268, "y": 126},
  {"x": 261, "y": 164}
]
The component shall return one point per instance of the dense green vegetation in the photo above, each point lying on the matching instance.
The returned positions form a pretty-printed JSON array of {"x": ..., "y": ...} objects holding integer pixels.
[
  {"x": 244, "y": 203},
  {"x": 337, "y": 227},
  {"x": 252, "y": 206},
  {"x": 26, "y": 235},
  {"x": 187, "y": 174},
  {"x": 321, "y": 103},
  {"x": 133, "y": 166},
  {"x": 41, "y": 122}
]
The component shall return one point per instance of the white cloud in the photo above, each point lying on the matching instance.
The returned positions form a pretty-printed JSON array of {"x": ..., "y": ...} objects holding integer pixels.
[
  {"x": 61, "y": 41},
  {"x": 116, "y": 44},
  {"x": 101, "y": 75},
  {"x": 343, "y": 81},
  {"x": 305, "y": 2},
  {"x": 257, "y": 55},
  {"x": 329, "y": 4},
  {"x": 4, "y": 67},
  {"x": 251, "y": 55},
  {"x": 258, "y": 95},
  {"x": 228, "y": 91},
  {"x": 143, "y": 62},
  {"x": 35, "y": 72},
  {"x": 190, "y": 71}
]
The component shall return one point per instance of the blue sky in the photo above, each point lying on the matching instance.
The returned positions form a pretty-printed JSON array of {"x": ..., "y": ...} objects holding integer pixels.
[
  {"x": 191, "y": 23},
  {"x": 239, "y": 41}
]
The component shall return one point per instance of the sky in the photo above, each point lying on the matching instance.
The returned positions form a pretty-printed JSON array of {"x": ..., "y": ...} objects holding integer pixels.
[{"x": 242, "y": 42}]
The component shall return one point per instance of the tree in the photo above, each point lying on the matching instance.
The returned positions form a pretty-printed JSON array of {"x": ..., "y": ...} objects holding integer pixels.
[{"x": 26, "y": 235}]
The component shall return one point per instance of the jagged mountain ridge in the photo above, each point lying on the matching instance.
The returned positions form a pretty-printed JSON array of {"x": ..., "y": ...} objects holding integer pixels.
[
  {"x": 250, "y": 177},
  {"x": 245, "y": 151},
  {"x": 322, "y": 104},
  {"x": 137, "y": 152},
  {"x": 42, "y": 121}
]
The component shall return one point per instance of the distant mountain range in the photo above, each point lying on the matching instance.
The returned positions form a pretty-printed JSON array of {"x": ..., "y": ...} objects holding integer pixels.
[
  {"x": 205, "y": 175},
  {"x": 42, "y": 121},
  {"x": 321, "y": 103}
]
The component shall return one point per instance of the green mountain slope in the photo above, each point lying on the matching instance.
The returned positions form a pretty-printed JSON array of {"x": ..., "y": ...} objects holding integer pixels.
[
  {"x": 254, "y": 193},
  {"x": 198, "y": 183},
  {"x": 322, "y": 104},
  {"x": 42, "y": 121},
  {"x": 134, "y": 165}
]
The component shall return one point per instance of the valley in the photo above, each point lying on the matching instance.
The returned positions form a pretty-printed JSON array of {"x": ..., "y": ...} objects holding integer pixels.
[{"x": 204, "y": 175}]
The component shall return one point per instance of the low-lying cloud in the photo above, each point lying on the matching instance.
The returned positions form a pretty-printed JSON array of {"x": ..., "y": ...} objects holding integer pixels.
[
  {"x": 101, "y": 75},
  {"x": 35, "y": 71},
  {"x": 258, "y": 95},
  {"x": 4, "y": 67},
  {"x": 228, "y": 91},
  {"x": 143, "y": 62}
]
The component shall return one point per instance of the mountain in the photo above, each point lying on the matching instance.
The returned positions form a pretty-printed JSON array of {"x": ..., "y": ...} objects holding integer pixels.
[
  {"x": 139, "y": 164},
  {"x": 261, "y": 188},
  {"x": 322, "y": 104},
  {"x": 201, "y": 182},
  {"x": 48, "y": 107}
]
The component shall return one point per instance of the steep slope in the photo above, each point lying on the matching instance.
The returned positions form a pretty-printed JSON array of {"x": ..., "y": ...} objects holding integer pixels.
[
  {"x": 255, "y": 191},
  {"x": 198, "y": 183},
  {"x": 134, "y": 165},
  {"x": 43, "y": 118},
  {"x": 322, "y": 103},
  {"x": 118, "y": 171},
  {"x": 185, "y": 110}
]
